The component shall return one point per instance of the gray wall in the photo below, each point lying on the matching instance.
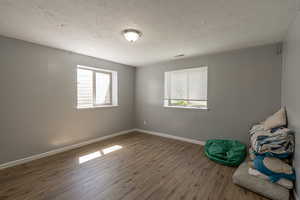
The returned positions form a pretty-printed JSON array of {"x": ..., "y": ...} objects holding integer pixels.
[
  {"x": 38, "y": 100},
  {"x": 244, "y": 87},
  {"x": 291, "y": 85}
]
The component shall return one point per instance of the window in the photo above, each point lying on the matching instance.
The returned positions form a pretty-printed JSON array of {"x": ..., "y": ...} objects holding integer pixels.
[
  {"x": 96, "y": 87},
  {"x": 186, "y": 88}
]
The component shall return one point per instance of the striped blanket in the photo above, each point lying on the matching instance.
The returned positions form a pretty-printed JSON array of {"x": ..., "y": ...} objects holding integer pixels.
[{"x": 274, "y": 143}]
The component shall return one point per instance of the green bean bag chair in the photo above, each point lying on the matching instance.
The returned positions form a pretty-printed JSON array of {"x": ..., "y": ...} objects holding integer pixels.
[{"x": 225, "y": 152}]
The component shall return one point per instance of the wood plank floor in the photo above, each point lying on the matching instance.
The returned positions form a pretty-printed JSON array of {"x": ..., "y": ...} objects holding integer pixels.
[{"x": 146, "y": 167}]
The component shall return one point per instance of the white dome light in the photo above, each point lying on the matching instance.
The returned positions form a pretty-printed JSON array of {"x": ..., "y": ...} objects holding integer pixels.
[{"x": 132, "y": 35}]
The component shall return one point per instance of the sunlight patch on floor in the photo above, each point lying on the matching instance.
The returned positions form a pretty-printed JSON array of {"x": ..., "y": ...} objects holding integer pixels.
[
  {"x": 91, "y": 156},
  {"x": 97, "y": 154},
  {"x": 111, "y": 149}
]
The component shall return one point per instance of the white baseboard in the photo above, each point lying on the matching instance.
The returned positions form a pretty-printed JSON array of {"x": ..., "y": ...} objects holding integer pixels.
[
  {"x": 171, "y": 136},
  {"x": 60, "y": 150},
  {"x": 296, "y": 197},
  {"x": 74, "y": 146}
]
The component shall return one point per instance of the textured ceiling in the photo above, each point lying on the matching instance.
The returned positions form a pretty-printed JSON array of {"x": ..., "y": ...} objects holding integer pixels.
[{"x": 170, "y": 27}]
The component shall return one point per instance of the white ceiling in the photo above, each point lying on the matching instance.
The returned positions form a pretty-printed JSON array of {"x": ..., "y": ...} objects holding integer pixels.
[{"x": 170, "y": 27}]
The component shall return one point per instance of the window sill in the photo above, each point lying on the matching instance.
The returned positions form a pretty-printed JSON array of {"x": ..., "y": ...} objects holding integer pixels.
[
  {"x": 96, "y": 107},
  {"x": 188, "y": 108}
]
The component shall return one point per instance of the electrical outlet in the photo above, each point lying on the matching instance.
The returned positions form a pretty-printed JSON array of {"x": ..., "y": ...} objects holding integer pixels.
[{"x": 145, "y": 122}]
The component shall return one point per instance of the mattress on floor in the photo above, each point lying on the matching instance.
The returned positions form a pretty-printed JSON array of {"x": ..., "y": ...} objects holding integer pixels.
[{"x": 263, "y": 187}]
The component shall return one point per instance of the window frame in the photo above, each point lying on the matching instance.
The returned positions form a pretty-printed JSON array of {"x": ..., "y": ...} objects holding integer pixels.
[
  {"x": 113, "y": 87},
  {"x": 167, "y": 102}
]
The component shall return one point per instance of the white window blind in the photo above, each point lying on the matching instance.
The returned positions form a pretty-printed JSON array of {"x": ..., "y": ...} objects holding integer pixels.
[
  {"x": 186, "y": 88},
  {"x": 84, "y": 88},
  {"x": 96, "y": 87}
]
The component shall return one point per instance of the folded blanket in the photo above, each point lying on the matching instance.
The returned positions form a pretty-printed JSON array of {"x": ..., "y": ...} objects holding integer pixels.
[
  {"x": 273, "y": 143},
  {"x": 255, "y": 128},
  {"x": 274, "y": 168},
  {"x": 252, "y": 153},
  {"x": 283, "y": 182}
]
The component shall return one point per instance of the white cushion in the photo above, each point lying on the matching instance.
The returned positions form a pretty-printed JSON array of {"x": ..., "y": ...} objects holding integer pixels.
[
  {"x": 264, "y": 187},
  {"x": 276, "y": 120},
  {"x": 283, "y": 182}
]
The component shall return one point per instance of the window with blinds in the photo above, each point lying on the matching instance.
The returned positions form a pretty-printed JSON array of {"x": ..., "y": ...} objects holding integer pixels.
[
  {"x": 96, "y": 87},
  {"x": 186, "y": 88}
]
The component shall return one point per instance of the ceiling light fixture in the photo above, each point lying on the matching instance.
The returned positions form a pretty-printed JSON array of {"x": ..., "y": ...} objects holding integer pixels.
[{"x": 131, "y": 35}]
